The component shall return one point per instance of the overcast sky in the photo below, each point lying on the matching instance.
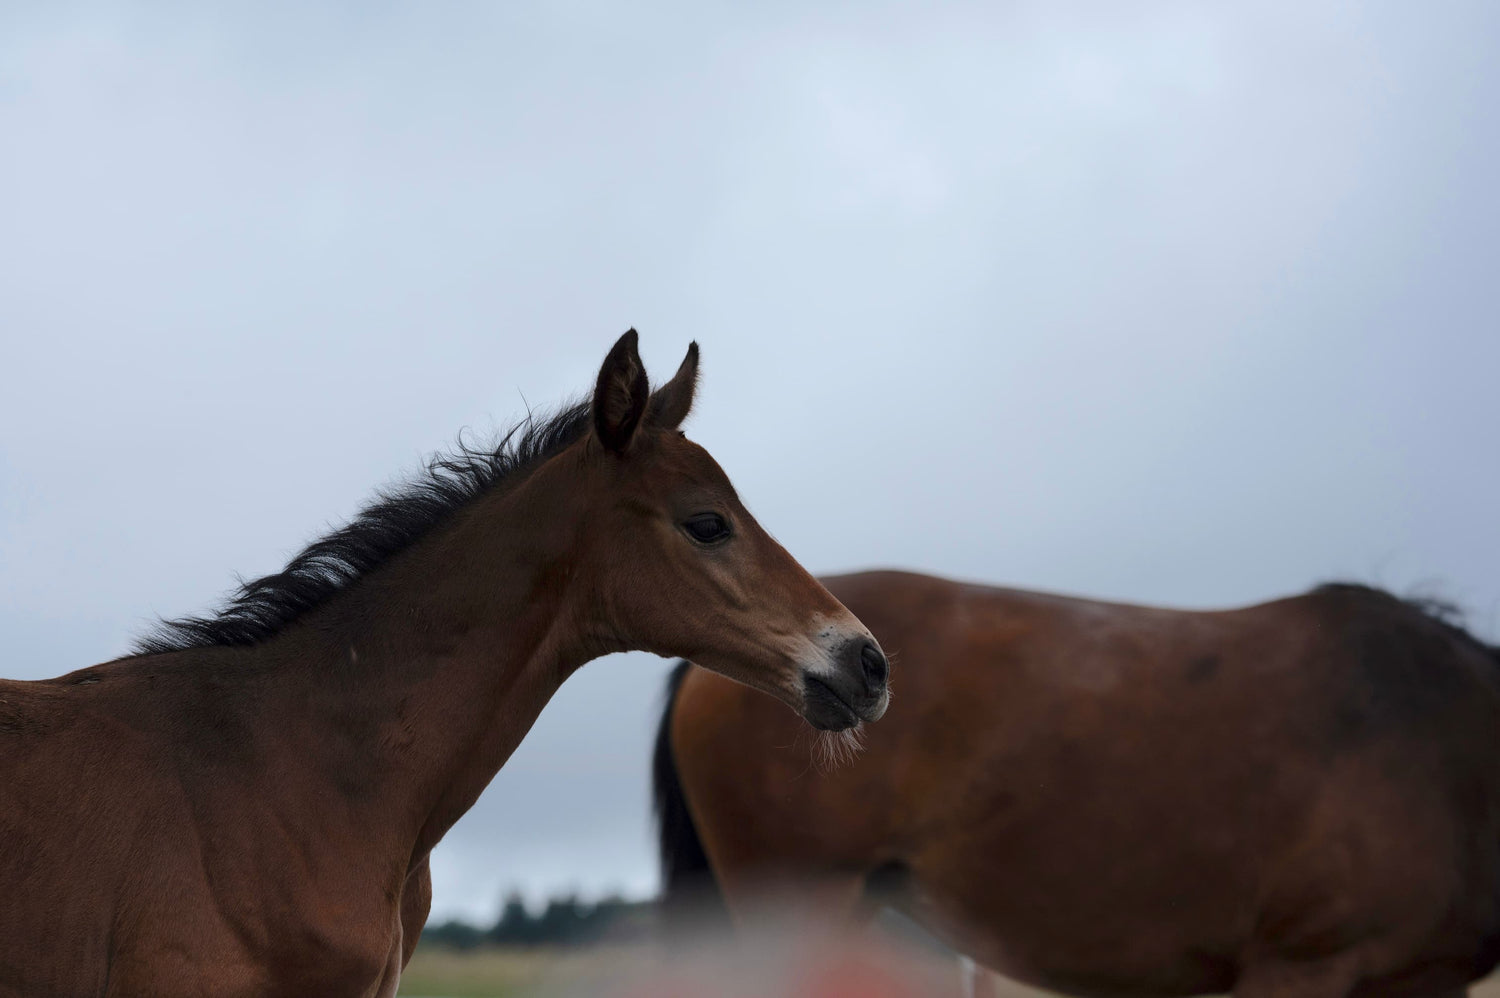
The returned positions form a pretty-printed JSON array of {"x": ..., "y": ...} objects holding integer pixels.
[{"x": 1179, "y": 303}]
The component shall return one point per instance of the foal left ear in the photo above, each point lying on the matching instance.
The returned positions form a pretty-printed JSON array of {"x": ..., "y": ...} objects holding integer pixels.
[
  {"x": 620, "y": 395},
  {"x": 673, "y": 401}
]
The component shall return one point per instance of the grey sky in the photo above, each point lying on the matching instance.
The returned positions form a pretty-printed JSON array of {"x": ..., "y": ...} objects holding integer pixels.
[{"x": 1182, "y": 303}]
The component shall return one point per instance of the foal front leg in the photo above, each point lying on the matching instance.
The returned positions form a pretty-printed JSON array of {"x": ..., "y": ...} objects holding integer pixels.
[
  {"x": 390, "y": 981},
  {"x": 416, "y": 903}
]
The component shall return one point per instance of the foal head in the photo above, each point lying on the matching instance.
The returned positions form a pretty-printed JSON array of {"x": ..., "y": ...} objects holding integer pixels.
[{"x": 679, "y": 566}]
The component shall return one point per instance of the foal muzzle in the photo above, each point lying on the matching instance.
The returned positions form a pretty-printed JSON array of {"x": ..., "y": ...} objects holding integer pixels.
[{"x": 853, "y": 689}]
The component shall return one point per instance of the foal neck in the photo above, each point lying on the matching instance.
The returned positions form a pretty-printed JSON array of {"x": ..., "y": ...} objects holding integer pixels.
[{"x": 419, "y": 682}]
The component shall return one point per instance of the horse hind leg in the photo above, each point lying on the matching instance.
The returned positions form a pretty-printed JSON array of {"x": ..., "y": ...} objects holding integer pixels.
[
  {"x": 968, "y": 976},
  {"x": 975, "y": 980}
]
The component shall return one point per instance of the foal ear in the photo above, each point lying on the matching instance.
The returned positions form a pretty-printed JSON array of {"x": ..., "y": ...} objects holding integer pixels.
[
  {"x": 620, "y": 395},
  {"x": 672, "y": 401}
]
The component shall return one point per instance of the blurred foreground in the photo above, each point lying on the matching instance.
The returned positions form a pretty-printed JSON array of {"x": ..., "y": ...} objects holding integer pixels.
[{"x": 786, "y": 965}]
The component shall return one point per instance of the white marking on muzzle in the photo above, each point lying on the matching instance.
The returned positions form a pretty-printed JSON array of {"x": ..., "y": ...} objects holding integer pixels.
[
  {"x": 816, "y": 654},
  {"x": 826, "y": 638}
]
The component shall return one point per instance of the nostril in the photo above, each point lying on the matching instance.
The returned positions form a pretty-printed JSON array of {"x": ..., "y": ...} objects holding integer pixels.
[{"x": 875, "y": 666}]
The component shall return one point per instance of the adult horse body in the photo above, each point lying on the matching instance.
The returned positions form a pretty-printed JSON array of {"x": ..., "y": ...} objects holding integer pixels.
[
  {"x": 247, "y": 806},
  {"x": 1297, "y": 798}
]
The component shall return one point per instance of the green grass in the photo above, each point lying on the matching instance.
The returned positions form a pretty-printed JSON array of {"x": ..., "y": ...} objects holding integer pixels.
[
  {"x": 507, "y": 973},
  {"x": 483, "y": 973}
]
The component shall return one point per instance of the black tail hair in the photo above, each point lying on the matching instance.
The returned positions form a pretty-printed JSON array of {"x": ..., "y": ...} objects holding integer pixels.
[{"x": 690, "y": 895}]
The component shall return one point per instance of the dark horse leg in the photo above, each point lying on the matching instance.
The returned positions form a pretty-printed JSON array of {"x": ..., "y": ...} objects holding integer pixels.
[{"x": 831, "y": 900}]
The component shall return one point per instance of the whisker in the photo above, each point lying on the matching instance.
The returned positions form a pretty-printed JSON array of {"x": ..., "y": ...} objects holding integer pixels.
[{"x": 835, "y": 749}]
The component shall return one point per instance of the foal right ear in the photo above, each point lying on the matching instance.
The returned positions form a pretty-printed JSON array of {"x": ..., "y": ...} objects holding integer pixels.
[
  {"x": 620, "y": 395},
  {"x": 673, "y": 400}
]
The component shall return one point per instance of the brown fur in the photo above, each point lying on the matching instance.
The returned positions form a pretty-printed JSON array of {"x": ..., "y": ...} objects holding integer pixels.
[
  {"x": 248, "y": 809},
  {"x": 1301, "y": 797}
]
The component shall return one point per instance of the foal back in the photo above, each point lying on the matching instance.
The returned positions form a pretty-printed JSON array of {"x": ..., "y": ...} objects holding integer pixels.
[{"x": 141, "y": 799}]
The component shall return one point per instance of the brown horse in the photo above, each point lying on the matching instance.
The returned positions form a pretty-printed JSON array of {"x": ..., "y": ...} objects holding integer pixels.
[
  {"x": 1299, "y": 798},
  {"x": 246, "y": 807}
]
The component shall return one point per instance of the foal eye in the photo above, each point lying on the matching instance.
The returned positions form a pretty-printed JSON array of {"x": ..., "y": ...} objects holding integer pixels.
[{"x": 707, "y": 528}]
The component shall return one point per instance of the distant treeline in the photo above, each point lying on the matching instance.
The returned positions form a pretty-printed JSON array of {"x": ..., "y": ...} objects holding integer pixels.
[{"x": 565, "y": 921}]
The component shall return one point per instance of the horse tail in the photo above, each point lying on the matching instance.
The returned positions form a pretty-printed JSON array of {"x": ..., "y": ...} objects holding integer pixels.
[{"x": 690, "y": 896}]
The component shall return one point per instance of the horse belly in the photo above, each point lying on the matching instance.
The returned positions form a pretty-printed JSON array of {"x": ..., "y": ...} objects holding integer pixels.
[
  {"x": 1084, "y": 943},
  {"x": 1130, "y": 900}
]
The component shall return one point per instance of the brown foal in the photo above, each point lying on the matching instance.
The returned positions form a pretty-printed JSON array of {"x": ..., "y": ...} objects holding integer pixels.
[
  {"x": 1300, "y": 798},
  {"x": 247, "y": 806}
]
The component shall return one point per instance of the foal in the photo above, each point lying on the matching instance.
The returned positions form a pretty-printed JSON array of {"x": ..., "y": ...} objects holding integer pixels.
[{"x": 246, "y": 807}]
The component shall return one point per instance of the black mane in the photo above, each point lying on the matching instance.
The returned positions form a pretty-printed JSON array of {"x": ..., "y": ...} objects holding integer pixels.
[
  {"x": 1447, "y": 614},
  {"x": 396, "y": 518}
]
